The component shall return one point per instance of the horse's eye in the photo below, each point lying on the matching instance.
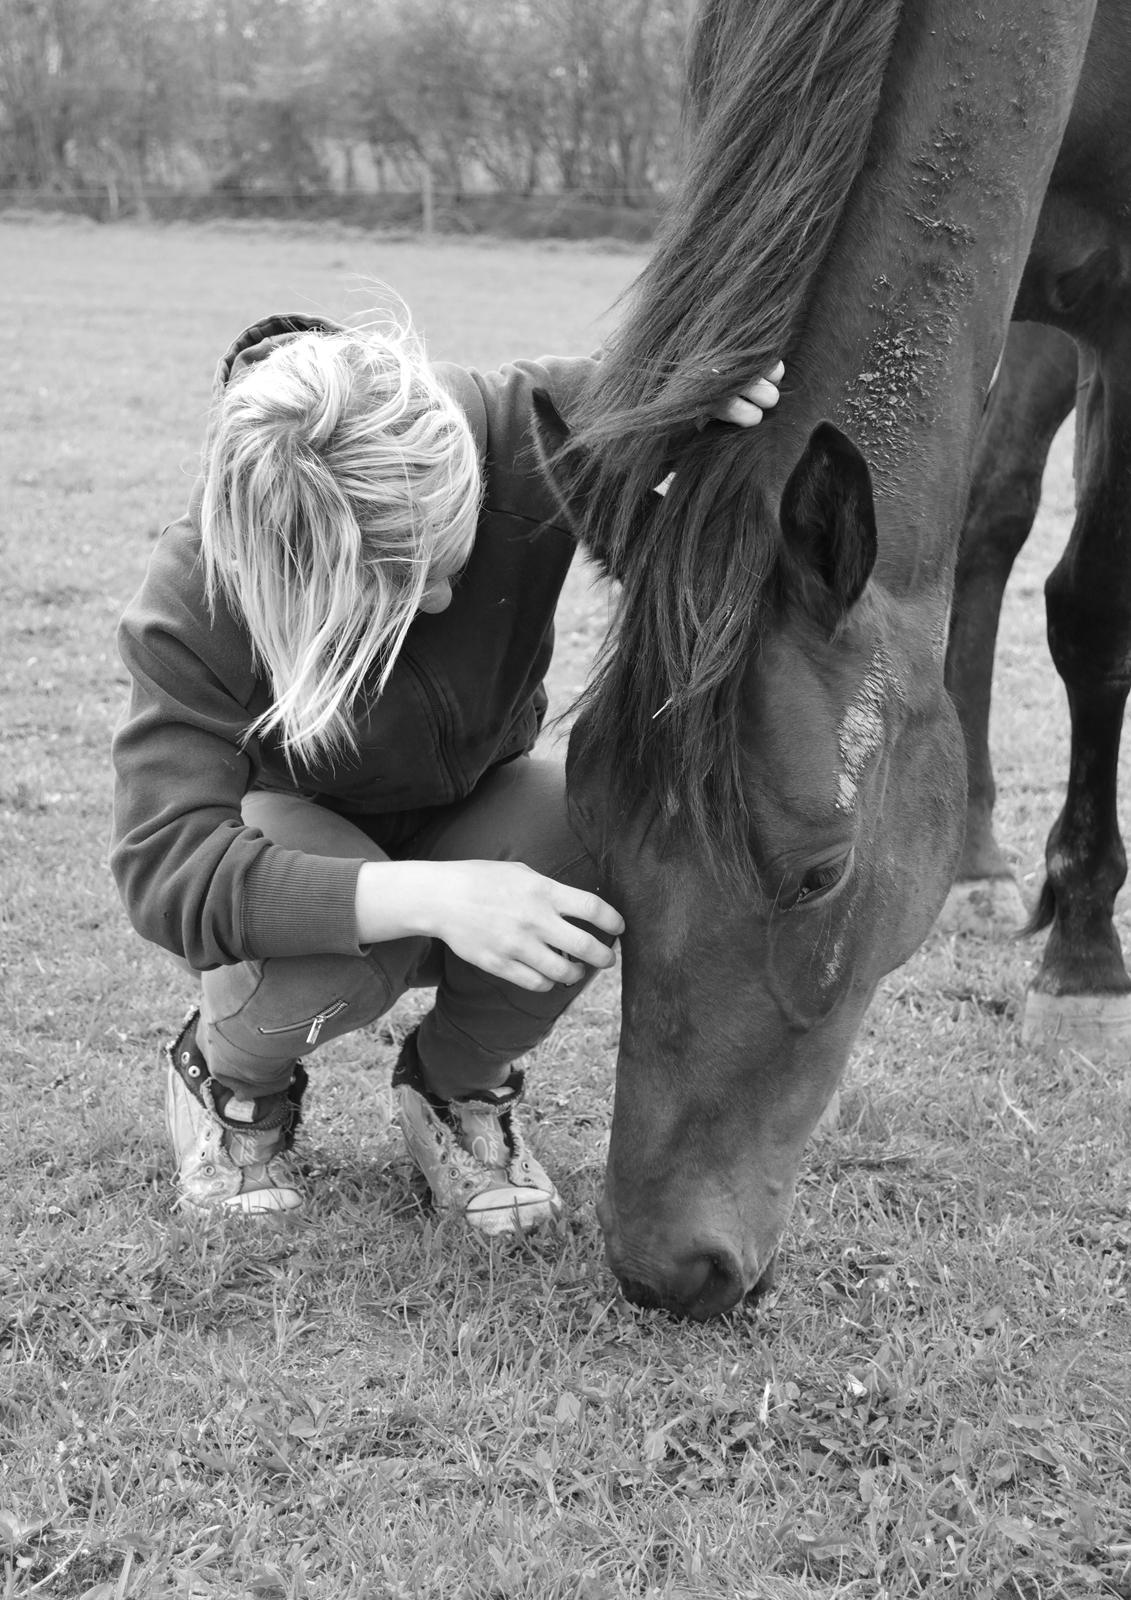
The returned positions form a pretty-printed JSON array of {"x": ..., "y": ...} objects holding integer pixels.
[{"x": 815, "y": 883}]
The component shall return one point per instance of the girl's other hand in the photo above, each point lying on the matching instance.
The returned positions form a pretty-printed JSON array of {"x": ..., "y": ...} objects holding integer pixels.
[{"x": 747, "y": 408}]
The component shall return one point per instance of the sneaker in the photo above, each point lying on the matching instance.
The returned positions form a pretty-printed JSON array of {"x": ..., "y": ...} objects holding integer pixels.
[
  {"x": 231, "y": 1153},
  {"x": 472, "y": 1152}
]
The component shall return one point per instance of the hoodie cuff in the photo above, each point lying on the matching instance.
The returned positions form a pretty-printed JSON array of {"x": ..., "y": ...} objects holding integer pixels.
[{"x": 301, "y": 905}]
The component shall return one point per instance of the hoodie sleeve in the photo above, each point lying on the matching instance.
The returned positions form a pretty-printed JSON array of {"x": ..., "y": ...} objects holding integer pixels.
[
  {"x": 500, "y": 407},
  {"x": 194, "y": 879}
]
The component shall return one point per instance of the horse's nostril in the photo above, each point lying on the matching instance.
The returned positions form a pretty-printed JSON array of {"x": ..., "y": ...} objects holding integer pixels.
[
  {"x": 720, "y": 1287},
  {"x": 641, "y": 1294},
  {"x": 704, "y": 1286}
]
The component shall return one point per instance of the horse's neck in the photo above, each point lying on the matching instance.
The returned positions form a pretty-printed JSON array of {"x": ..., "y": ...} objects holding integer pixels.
[{"x": 911, "y": 306}]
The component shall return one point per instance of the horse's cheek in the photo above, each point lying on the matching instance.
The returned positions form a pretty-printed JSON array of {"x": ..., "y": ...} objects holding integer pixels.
[
  {"x": 811, "y": 963},
  {"x": 655, "y": 1016},
  {"x": 922, "y": 845}
]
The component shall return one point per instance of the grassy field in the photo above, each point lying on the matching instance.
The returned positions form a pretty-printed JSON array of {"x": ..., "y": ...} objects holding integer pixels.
[{"x": 937, "y": 1399}]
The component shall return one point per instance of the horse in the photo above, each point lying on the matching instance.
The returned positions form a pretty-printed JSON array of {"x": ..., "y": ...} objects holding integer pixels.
[
  {"x": 767, "y": 761},
  {"x": 1033, "y": 394},
  {"x": 1081, "y": 994}
]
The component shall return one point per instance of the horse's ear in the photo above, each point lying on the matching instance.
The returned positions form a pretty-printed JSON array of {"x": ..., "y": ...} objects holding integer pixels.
[{"x": 828, "y": 516}]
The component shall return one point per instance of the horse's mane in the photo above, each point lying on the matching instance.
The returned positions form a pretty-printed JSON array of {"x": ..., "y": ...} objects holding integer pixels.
[{"x": 781, "y": 99}]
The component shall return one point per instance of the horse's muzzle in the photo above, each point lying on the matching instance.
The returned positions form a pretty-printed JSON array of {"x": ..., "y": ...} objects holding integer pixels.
[{"x": 705, "y": 1284}]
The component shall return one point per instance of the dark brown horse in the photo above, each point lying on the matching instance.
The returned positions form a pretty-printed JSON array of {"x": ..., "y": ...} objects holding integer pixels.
[
  {"x": 1032, "y": 395},
  {"x": 768, "y": 759},
  {"x": 1081, "y": 994}
]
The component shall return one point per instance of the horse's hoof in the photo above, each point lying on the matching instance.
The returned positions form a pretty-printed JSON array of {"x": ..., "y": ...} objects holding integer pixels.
[
  {"x": 1091, "y": 1023},
  {"x": 988, "y": 908}
]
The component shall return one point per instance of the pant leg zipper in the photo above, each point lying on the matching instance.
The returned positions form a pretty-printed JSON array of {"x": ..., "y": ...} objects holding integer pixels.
[{"x": 314, "y": 1024}]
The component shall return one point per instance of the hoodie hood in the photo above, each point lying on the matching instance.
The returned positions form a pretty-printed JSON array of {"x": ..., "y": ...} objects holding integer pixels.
[{"x": 258, "y": 341}]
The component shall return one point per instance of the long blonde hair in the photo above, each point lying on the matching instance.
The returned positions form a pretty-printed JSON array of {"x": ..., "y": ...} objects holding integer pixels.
[{"x": 340, "y": 477}]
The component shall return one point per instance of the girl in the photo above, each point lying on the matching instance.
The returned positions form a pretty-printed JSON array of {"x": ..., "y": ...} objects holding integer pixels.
[{"x": 324, "y": 789}]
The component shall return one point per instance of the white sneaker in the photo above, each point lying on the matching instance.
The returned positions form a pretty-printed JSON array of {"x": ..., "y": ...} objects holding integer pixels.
[
  {"x": 472, "y": 1152},
  {"x": 231, "y": 1154}
]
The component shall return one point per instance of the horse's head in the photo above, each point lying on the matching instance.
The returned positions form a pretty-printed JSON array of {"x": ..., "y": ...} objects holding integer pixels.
[{"x": 745, "y": 979}]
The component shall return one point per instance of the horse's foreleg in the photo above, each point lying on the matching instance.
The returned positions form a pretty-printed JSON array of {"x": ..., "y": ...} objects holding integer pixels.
[
  {"x": 1082, "y": 993},
  {"x": 1034, "y": 391}
]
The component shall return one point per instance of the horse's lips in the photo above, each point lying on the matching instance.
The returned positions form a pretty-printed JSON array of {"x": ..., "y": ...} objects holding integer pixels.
[{"x": 766, "y": 1280}]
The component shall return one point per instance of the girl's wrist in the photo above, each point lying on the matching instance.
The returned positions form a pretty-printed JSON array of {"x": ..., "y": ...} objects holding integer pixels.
[{"x": 394, "y": 900}]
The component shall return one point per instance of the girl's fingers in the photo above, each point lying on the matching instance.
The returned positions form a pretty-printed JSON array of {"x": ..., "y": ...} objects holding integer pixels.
[
  {"x": 525, "y": 977},
  {"x": 545, "y": 969},
  {"x": 747, "y": 408},
  {"x": 571, "y": 972},
  {"x": 570, "y": 902},
  {"x": 763, "y": 393},
  {"x": 742, "y": 412},
  {"x": 576, "y": 946}
]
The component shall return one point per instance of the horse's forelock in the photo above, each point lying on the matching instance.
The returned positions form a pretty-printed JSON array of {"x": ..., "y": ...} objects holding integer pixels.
[
  {"x": 782, "y": 95},
  {"x": 661, "y": 716}
]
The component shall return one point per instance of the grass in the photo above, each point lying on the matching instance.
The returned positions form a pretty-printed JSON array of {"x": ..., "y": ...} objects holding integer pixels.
[{"x": 937, "y": 1399}]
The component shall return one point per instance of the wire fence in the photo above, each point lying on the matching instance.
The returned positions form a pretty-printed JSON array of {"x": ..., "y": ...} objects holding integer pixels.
[{"x": 428, "y": 209}]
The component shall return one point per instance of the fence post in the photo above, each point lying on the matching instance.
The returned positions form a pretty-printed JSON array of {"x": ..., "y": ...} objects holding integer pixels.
[{"x": 427, "y": 202}]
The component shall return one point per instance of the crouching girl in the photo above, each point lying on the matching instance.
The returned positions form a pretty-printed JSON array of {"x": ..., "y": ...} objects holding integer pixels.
[{"x": 325, "y": 793}]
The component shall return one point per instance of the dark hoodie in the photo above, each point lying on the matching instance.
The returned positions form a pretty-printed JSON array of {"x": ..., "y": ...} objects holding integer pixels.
[{"x": 466, "y": 693}]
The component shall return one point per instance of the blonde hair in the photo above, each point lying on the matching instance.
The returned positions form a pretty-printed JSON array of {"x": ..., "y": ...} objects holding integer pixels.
[{"x": 340, "y": 477}]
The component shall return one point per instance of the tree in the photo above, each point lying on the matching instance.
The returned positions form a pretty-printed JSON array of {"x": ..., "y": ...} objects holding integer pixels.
[
  {"x": 579, "y": 95},
  {"x": 40, "y": 41},
  {"x": 617, "y": 71}
]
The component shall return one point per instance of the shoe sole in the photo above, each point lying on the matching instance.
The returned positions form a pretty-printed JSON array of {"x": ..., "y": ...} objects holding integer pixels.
[
  {"x": 519, "y": 1212},
  {"x": 260, "y": 1203}
]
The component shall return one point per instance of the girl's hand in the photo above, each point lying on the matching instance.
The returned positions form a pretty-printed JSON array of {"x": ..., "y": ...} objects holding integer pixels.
[
  {"x": 512, "y": 922},
  {"x": 501, "y": 916},
  {"x": 747, "y": 408}
]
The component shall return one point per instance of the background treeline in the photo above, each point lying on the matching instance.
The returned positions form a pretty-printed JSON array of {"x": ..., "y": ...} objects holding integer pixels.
[{"x": 438, "y": 108}]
